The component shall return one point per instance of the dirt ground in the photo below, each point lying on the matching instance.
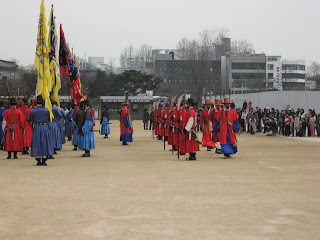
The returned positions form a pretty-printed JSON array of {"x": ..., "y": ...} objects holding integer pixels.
[{"x": 270, "y": 190}]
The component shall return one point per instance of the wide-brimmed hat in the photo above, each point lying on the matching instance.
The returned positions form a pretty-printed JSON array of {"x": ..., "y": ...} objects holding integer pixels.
[
  {"x": 227, "y": 100},
  {"x": 218, "y": 102},
  {"x": 207, "y": 102},
  {"x": 126, "y": 102},
  {"x": 13, "y": 101},
  {"x": 39, "y": 99}
]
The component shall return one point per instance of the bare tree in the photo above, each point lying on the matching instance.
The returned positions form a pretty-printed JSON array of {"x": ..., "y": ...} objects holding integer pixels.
[
  {"x": 188, "y": 49},
  {"x": 242, "y": 46},
  {"x": 313, "y": 69},
  {"x": 128, "y": 56},
  {"x": 144, "y": 54}
]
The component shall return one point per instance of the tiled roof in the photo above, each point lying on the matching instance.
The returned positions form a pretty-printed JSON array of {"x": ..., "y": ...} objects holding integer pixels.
[{"x": 7, "y": 65}]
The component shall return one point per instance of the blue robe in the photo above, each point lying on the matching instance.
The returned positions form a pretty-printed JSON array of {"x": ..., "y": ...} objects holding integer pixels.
[
  {"x": 41, "y": 138},
  {"x": 2, "y": 110},
  {"x": 127, "y": 137},
  {"x": 68, "y": 124},
  {"x": 57, "y": 128},
  {"x": 105, "y": 127},
  {"x": 228, "y": 148},
  {"x": 86, "y": 140},
  {"x": 75, "y": 134}
]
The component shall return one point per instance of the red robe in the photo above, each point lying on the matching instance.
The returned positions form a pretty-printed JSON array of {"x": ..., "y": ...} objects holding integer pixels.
[
  {"x": 166, "y": 121},
  {"x": 160, "y": 122},
  {"x": 213, "y": 117},
  {"x": 204, "y": 126},
  {"x": 175, "y": 118},
  {"x": 28, "y": 131},
  {"x": 125, "y": 112},
  {"x": 155, "y": 119},
  {"x": 14, "y": 141},
  {"x": 181, "y": 125},
  {"x": 191, "y": 145},
  {"x": 231, "y": 117}
]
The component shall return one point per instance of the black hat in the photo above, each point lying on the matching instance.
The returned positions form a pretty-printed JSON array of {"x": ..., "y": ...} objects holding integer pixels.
[
  {"x": 86, "y": 102},
  {"x": 39, "y": 99},
  {"x": 13, "y": 101},
  {"x": 190, "y": 100},
  {"x": 82, "y": 104},
  {"x": 1, "y": 103}
]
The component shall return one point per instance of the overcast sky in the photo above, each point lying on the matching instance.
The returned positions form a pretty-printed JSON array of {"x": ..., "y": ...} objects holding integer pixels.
[{"x": 289, "y": 28}]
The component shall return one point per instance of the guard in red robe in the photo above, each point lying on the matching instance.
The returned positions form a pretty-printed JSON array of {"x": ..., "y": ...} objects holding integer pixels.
[
  {"x": 160, "y": 123},
  {"x": 181, "y": 125},
  {"x": 28, "y": 132},
  {"x": 191, "y": 145},
  {"x": 13, "y": 123},
  {"x": 156, "y": 124},
  {"x": 174, "y": 127},
  {"x": 213, "y": 117},
  {"x": 227, "y": 124},
  {"x": 205, "y": 126},
  {"x": 126, "y": 126},
  {"x": 166, "y": 122}
]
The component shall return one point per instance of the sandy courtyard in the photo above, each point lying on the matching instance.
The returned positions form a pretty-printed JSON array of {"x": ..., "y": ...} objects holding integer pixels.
[{"x": 269, "y": 191}]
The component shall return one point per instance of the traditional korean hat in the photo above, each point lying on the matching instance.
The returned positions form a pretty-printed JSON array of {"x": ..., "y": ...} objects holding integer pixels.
[
  {"x": 227, "y": 100},
  {"x": 13, "y": 101},
  {"x": 207, "y": 102},
  {"x": 126, "y": 102},
  {"x": 39, "y": 99},
  {"x": 217, "y": 102}
]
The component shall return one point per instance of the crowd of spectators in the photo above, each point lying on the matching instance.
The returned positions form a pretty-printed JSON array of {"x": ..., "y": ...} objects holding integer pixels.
[{"x": 287, "y": 122}]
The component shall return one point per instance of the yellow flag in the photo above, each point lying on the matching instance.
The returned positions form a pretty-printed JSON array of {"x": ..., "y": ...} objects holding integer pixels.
[
  {"x": 41, "y": 61},
  {"x": 53, "y": 62}
]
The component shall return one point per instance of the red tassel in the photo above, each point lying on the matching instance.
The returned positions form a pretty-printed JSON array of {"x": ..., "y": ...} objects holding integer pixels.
[
  {"x": 22, "y": 105},
  {"x": 18, "y": 106},
  {"x": 33, "y": 104}
]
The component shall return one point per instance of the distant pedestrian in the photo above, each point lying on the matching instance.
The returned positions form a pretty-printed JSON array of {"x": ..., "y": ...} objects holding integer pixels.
[{"x": 145, "y": 119}]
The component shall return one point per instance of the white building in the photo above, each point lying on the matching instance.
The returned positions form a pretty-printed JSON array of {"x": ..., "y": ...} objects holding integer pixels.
[
  {"x": 274, "y": 72},
  {"x": 96, "y": 62},
  {"x": 283, "y": 74}
]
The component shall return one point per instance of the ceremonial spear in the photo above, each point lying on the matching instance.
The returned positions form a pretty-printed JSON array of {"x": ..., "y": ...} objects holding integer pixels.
[{"x": 164, "y": 123}]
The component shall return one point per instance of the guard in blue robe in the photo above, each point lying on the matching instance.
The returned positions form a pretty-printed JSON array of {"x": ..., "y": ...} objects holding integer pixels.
[
  {"x": 84, "y": 120},
  {"x": 55, "y": 129},
  {"x": 68, "y": 123},
  {"x": 2, "y": 110},
  {"x": 104, "y": 121},
  {"x": 41, "y": 138},
  {"x": 59, "y": 118}
]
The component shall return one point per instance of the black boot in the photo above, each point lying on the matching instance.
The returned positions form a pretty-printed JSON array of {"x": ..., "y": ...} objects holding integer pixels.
[
  {"x": 24, "y": 152},
  {"x": 50, "y": 157},
  {"x": 226, "y": 155},
  {"x": 15, "y": 155},
  {"x": 208, "y": 149},
  {"x": 124, "y": 143},
  {"x": 218, "y": 151},
  {"x": 192, "y": 157},
  {"x": 38, "y": 162},
  {"x": 44, "y": 162},
  {"x": 75, "y": 148},
  {"x": 86, "y": 153},
  {"x": 69, "y": 138},
  {"x": 9, "y": 155},
  {"x": 27, "y": 150},
  {"x": 55, "y": 151}
]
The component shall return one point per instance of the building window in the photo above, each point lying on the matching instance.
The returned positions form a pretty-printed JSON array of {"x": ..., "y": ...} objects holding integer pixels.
[
  {"x": 253, "y": 66},
  {"x": 270, "y": 75},
  {"x": 293, "y": 67},
  {"x": 270, "y": 66},
  {"x": 135, "y": 107}
]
